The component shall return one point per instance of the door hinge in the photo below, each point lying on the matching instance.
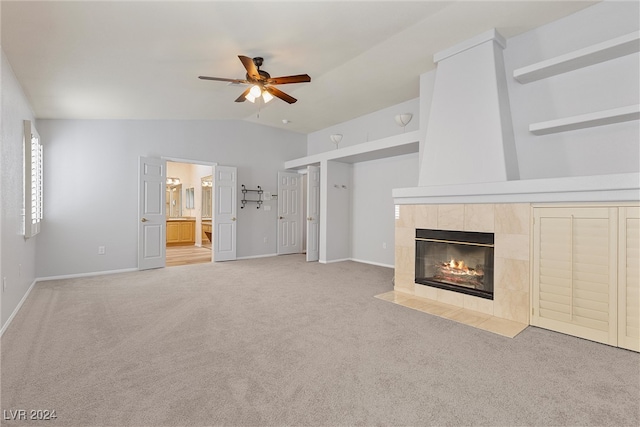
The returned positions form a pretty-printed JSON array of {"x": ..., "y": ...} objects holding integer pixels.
[{"x": 532, "y": 310}]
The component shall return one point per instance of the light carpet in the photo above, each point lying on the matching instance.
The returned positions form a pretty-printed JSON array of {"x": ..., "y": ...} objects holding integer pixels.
[{"x": 277, "y": 342}]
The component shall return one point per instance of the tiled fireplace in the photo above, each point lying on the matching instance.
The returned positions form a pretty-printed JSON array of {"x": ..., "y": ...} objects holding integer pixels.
[{"x": 509, "y": 225}]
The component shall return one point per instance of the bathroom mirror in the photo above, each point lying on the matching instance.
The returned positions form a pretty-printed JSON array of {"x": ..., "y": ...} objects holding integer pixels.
[
  {"x": 207, "y": 184},
  {"x": 189, "y": 202},
  {"x": 174, "y": 201}
]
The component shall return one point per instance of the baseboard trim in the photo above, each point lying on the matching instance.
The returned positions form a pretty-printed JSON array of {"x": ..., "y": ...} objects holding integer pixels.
[
  {"x": 334, "y": 260},
  {"x": 91, "y": 274},
  {"x": 15, "y": 312},
  {"x": 257, "y": 256},
  {"x": 379, "y": 264}
]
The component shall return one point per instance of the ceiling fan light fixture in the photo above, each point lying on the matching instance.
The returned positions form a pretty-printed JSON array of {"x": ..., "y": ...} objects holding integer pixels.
[
  {"x": 249, "y": 97},
  {"x": 256, "y": 91},
  {"x": 266, "y": 96}
]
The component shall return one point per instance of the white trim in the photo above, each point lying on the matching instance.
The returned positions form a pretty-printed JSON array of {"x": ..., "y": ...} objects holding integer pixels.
[
  {"x": 189, "y": 161},
  {"x": 593, "y": 188},
  {"x": 379, "y": 264},
  {"x": 94, "y": 273},
  {"x": 395, "y": 145},
  {"x": 491, "y": 35},
  {"x": 257, "y": 256},
  {"x": 15, "y": 311},
  {"x": 335, "y": 260}
]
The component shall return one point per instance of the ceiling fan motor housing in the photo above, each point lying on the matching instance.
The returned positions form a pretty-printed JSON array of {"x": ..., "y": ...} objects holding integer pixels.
[{"x": 257, "y": 61}]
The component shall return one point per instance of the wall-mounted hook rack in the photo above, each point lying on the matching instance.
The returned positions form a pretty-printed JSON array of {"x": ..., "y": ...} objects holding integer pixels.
[{"x": 244, "y": 200}]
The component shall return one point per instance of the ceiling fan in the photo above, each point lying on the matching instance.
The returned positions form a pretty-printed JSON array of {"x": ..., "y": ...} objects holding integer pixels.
[{"x": 262, "y": 84}]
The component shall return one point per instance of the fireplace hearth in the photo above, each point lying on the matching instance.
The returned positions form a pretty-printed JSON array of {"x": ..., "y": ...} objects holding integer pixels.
[{"x": 459, "y": 261}]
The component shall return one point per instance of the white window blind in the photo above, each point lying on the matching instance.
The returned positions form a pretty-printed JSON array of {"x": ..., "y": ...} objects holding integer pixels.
[{"x": 32, "y": 180}]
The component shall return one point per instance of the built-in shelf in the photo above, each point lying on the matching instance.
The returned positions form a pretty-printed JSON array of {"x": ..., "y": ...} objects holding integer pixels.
[
  {"x": 599, "y": 118},
  {"x": 396, "y": 145},
  {"x": 581, "y": 58}
]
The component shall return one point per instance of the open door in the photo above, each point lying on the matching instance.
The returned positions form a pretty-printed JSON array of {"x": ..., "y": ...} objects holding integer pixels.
[
  {"x": 151, "y": 209},
  {"x": 289, "y": 213},
  {"x": 313, "y": 213},
  {"x": 224, "y": 213}
]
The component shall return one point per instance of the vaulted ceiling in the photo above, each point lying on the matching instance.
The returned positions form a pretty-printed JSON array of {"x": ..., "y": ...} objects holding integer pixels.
[{"x": 141, "y": 59}]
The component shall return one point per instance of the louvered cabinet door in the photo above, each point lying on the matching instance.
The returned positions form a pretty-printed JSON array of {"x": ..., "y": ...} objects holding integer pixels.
[
  {"x": 575, "y": 272},
  {"x": 629, "y": 279}
]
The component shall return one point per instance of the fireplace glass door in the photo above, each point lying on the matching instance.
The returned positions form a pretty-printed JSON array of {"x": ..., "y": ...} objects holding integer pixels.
[{"x": 455, "y": 260}]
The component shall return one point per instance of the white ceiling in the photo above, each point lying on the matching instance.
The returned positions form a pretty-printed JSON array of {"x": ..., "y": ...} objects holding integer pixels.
[{"x": 141, "y": 60}]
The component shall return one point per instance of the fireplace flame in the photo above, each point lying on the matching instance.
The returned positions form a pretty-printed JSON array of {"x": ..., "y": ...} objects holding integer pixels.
[{"x": 459, "y": 267}]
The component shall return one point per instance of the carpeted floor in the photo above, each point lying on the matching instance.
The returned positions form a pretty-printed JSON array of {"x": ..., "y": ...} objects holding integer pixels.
[{"x": 278, "y": 341}]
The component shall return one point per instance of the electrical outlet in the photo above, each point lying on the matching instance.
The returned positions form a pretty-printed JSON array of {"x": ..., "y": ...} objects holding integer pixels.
[
  {"x": 384, "y": 245},
  {"x": 266, "y": 239},
  {"x": 101, "y": 250}
]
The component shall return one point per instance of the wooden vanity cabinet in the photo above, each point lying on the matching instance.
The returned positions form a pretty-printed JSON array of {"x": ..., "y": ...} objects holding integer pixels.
[
  {"x": 181, "y": 232},
  {"x": 206, "y": 231}
]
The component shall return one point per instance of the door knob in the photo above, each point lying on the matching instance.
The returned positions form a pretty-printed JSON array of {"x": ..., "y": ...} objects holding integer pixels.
[
  {"x": 233, "y": 219},
  {"x": 144, "y": 220},
  {"x": 281, "y": 217},
  {"x": 309, "y": 218}
]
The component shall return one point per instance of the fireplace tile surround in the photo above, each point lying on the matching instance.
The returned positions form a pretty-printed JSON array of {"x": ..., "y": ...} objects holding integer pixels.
[{"x": 511, "y": 224}]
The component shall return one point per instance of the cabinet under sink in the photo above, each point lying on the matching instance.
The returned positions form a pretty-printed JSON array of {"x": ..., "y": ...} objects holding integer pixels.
[{"x": 181, "y": 231}]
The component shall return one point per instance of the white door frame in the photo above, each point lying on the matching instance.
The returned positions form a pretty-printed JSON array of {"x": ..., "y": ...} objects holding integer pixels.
[
  {"x": 313, "y": 213},
  {"x": 194, "y": 162}
]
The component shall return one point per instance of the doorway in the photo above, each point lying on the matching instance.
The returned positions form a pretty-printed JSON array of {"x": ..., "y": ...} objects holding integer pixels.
[
  {"x": 188, "y": 213},
  {"x": 299, "y": 213}
]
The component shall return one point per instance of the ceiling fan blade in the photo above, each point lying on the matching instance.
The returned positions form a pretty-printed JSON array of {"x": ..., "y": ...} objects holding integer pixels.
[
  {"x": 300, "y": 78},
  {"x": 252, "y": 71},
  {"x": 222, "y": 79},
  {"x": 280, "y": 94},
  {"x": 242, "y": 98}
]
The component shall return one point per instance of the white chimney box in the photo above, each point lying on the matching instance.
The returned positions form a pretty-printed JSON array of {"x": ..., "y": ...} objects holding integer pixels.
[{"x": 469, "y": 136}]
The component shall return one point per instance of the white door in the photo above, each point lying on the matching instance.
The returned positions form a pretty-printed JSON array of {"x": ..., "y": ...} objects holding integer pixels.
[
  {"x": 313, "y": 213},
  {"x": 224, "y": 213},
  {"x": 289, "y": 213},
  {"x": 152, "y": 222}
]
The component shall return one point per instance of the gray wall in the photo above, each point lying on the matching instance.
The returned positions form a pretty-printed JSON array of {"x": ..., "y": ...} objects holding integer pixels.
[
  {"x": 91, "y": 176},
  {"x": 372, "y": 207},
  {"x": 593, "y": 151},
  {"x": 17, "y": 254},
  {"x": 369, "y": 127},
  {"x": 360, "y": 219}
]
